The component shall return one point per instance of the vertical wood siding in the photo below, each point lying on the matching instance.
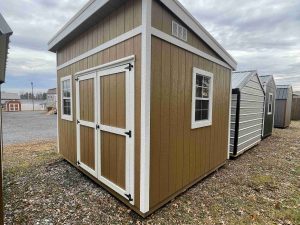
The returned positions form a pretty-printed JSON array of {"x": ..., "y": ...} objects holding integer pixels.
[
  {"x": 280, "y": 110},
  {"x": 67, "y": 129},
  {"x": 87, "y": 102},
  {"x": 162, "y": 19},
  {"x": 179, "y": 154},
  {"x": 296, "y": 109},
  {"x": 120, "y": 21},
  {"x": 87, "y": 146}
]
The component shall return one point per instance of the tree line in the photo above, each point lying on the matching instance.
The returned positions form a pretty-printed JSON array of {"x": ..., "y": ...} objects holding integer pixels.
[{"x": 36, "y": 96}]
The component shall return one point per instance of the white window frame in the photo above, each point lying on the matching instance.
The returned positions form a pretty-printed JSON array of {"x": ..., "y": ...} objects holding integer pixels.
[
  {"x": 270, "y": 103},
  {"x": 64, "y": 116},
  {"x": 208, "y": 122}
]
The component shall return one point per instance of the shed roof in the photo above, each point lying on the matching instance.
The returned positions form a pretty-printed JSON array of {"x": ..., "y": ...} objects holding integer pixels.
[
  {"x": 265, "y": 79},
  {"x": 241, "y": 78},
  {"x": 9, "y": 96},
  {"x": 5, "y": 33},
  {"x": 97, "y": 9},
  {"x": 282, "y": 91},
  {"x": 51, "y": 91}
]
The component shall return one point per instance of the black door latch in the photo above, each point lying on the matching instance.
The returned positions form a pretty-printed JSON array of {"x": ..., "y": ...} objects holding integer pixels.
[
  {"x": 128, "y": 133},
  {"x": 129, "y": 67},
  {"x": 129, "y": 197}
]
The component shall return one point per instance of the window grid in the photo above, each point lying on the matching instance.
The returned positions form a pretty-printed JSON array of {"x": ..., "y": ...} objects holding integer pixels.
[{"x": 66, "y": 98}]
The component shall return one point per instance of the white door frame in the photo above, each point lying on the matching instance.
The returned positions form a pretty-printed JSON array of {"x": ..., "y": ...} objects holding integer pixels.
[
  {"x": 128, "y": 69},
  {"x": 86, "y": 124}
]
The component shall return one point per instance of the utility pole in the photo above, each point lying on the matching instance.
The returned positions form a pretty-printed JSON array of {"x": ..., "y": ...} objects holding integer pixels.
[{"x": 32, "y": 96}]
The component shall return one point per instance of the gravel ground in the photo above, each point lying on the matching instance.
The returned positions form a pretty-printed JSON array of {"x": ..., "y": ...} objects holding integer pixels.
[
  {"x": 261, "y": 186},
  {"x": 19, "y": 127}
]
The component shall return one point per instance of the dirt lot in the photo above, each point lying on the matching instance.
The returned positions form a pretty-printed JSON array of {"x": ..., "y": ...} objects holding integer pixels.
[{"x": 260, "y": 187}]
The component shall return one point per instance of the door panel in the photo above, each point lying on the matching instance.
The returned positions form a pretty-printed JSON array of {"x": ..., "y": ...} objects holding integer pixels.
[
  {"x": 113, "y": 100},
  {"x": 86, "y": 123},
  {"x": 87, "y": 100},
  {"x": 87, "y": 146},
  {"x": 105, "y": 122},
  {"x": 116, "y": 120},
  {"x": 113, "y": 155}
]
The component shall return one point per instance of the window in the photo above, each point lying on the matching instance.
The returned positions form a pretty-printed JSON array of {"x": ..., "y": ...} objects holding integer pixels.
[
  {"x": 202, "y": 98},
  {"x": 66, "y": 98},
  {"x": 179, "y": 31},
  {"x": 270, "y": 104}
]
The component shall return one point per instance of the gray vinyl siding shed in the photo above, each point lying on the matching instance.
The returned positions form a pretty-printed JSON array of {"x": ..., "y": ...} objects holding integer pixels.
[
  {"x": 269, "y": 86},
  {"x": 247, "y": 111},
  {"x": 283, "y": 106}
]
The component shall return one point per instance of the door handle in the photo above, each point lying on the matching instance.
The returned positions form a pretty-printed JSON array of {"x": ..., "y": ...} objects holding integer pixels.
[{"x": 128, "y": 133}]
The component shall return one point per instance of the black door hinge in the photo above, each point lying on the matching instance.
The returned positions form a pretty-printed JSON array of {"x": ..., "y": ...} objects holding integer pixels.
[
  {"x": 78, "y": 163},
  {"x": 78, "y": 122},
  {"x": 129, "y": 197},
  {"x": 97, "y": 127},
  {"x": 128, "y": 133},
  {"x": 129, "y": 67},
  {"x": 76, "y": 79}
]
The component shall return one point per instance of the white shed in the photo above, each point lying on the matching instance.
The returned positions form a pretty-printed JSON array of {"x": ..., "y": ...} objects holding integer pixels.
[{"x": 247, "y": 111}]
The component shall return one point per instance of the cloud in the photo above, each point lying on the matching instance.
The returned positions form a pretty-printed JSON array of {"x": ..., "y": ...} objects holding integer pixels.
[{"x": 260, "y": 35}]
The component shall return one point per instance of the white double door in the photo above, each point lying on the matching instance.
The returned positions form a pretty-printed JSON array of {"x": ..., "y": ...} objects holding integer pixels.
[{"x": 105, "y": 127}]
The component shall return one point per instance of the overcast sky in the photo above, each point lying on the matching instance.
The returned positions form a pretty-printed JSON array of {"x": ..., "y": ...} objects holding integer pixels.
[{"x": 262, "y": 35}]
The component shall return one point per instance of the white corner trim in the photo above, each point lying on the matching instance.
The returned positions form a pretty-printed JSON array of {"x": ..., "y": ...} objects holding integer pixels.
[
  {"x": 104, "y": 46},
  {"x": 229, "y": 115},
  {"x": 203, "y": 123},
  {"x": 179, "y": 10},
  {"x": 184, "y": 45},
  {"x": 63, "y": 116},
  {"x": 145, "y": 106}
]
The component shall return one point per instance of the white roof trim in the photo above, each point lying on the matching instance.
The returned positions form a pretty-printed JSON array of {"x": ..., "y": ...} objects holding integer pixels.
[
  {"x": 88, "y": 9},
  {"x": 178, "y": 9}
]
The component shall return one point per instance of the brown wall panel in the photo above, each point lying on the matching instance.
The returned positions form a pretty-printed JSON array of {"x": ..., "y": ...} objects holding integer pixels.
[
  {"x": 296, "y": 109},
  {"x": 179, "y": 154},
  {"x": 162, "y": 20},
  {"x": 120, "y": 21},
  {"x": 67, "y": 129}
]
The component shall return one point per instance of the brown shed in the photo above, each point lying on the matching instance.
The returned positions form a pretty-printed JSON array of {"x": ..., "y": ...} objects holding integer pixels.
[
  {"x": 143, "y": 99},
  {"x": 296, "y": 106}
]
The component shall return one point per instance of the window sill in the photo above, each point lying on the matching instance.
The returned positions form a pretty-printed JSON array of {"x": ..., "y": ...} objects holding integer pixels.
[
  {"x": 67, "y": 117},
  {"x": 200, "y": 124}
]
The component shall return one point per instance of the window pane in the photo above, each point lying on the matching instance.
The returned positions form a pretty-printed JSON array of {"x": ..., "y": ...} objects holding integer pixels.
[
  {"x": 204, "y": 114},
  {"x": 270, "y": 108},
  {"x": 67, "y": 93},
  {"x": 199, "y": 79},
  {"x": 198, "y": 104},
  {"x": 199, "y": 92},
  {"x": 204, "y": 104},
  {"x": 205, "y": 92},
  {"x": 206, "y": 81},
  {"x": 67, "y": 106},
  {"x": 198, "y": 115}
]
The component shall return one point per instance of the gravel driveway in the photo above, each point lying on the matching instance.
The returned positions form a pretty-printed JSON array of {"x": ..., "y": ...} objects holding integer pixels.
[
  {"x": 19, "y": 127},
  {"x": 259, "y": 187}
]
